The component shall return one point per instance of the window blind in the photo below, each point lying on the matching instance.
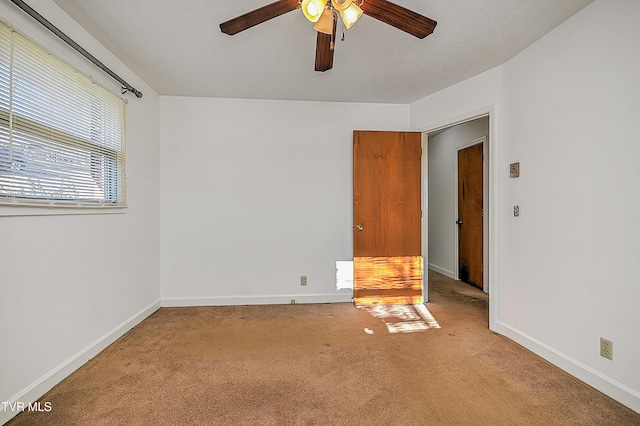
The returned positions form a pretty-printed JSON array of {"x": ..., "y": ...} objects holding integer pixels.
[{"x": 61, "y": 135}]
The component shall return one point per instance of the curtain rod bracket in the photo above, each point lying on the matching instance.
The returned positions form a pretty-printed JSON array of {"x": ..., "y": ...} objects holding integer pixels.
[{"x": 126, "y": 87}]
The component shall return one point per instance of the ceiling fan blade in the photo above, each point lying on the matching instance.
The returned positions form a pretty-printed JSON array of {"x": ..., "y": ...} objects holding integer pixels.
[
  {"x": 258, "y": 16},
  {"x": 399, "y": 17},
  {"x": 324, "y": 50}
]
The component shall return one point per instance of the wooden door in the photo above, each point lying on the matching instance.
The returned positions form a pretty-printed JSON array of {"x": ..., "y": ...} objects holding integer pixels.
[
  {"x": 387, "y": 234},
  {"x": 470, "y": 222}
]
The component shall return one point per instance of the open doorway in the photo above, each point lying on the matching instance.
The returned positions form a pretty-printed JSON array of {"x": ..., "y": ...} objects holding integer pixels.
[{"x": 443, "y": 205}]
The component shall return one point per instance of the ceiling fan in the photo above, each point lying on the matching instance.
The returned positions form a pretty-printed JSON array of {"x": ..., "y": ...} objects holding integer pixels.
[{"x": 324, "y": 14}]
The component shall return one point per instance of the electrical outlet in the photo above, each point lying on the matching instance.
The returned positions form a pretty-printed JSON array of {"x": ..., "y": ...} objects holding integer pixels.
[
  {"x": 516, "y": 211},
  {"x": 303, "y": 280},
  {"x": 606, "y": 348}
]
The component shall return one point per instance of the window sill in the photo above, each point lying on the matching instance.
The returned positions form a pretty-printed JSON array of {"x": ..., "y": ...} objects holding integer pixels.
[{"x": 22, "y": 210}]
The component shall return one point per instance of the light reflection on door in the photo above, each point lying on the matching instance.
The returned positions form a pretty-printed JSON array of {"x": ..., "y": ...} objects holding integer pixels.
[{"x": 388, "y": 280}]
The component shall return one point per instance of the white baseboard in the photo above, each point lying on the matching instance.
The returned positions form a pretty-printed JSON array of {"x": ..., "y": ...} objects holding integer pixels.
[
  {"x": 257, "y": 300},
  {"x": 621, "y": 393},
  {"x": 445, "y": 272},
  {"x": 62, "y": 371}
]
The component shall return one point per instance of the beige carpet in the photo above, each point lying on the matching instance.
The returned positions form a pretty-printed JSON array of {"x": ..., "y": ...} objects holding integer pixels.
[{"x": 326, "y": 364}]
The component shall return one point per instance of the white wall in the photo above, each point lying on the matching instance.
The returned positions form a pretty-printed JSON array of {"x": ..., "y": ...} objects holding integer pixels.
[
  {"x": 562, "y": 273},
  {"x": 573, "y": 121},
  {"x": 71, "y": 284},
  {"x": 468, "y": 99},
  {"x": 256, "y": 194},
  {"x": 443, "y": 187}
]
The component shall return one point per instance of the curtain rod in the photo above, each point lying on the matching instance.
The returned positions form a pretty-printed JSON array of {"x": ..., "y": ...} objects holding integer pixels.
[{"x": 126, "y": 87}]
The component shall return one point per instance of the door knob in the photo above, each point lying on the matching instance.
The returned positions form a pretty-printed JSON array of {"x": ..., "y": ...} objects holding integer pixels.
[
  {"x": 459, "y": 222},
  {"x": 359, "y": 227}
]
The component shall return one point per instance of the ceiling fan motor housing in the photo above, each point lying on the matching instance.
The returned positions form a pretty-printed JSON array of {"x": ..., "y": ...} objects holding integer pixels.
[{"x": 341, "y": 4}]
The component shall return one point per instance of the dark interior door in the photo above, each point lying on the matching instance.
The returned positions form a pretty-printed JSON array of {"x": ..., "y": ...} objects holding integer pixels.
[{"x": 470, "y": 223}]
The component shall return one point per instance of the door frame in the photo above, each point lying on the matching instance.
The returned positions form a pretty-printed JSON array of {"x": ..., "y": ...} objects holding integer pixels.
[
  {"x": 491, "y": 214},
  {"x": 485, "y": 209},
  {"x": 425, "y": 215}
]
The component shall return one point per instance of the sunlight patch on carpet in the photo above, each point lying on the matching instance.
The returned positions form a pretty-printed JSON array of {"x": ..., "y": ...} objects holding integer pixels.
[{"x": 404, "y": 318}]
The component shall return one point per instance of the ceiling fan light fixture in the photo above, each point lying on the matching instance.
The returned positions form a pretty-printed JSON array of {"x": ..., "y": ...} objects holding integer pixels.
[
  {"x": 350, "y": 15},
  {"x": 313, "y": 9},
  {"x": 341, "y": 5},
  {"x": 325, "y": 23},
  {"x": 327, "y": 11}
]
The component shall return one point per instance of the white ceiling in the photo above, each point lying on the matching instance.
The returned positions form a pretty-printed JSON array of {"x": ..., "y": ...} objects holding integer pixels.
[{"x": 177, "y": 47}]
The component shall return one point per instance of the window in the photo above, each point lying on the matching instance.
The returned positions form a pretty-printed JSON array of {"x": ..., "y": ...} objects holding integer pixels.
[{"x": 61, "y": 135}]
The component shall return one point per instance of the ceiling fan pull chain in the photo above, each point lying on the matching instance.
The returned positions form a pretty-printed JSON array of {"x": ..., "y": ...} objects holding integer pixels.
[{"x": 341, "y": 24}]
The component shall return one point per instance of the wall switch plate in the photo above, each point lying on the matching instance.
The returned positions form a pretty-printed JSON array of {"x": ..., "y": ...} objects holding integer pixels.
[
  {"x": 516, "y": 211},
  {"x": 303, "y": 280},
  {"x": 514, "y": 170},
  {"x": 606, "y": 348}
]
